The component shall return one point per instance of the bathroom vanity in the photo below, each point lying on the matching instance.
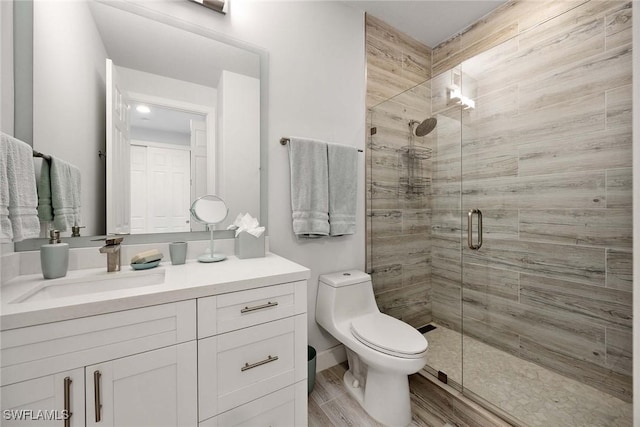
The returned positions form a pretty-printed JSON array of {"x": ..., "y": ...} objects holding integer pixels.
[{"x": 194, "y": 344}]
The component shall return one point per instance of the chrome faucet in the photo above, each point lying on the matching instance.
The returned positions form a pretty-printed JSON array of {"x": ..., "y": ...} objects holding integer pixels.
[{"x": 112, "y": 249}]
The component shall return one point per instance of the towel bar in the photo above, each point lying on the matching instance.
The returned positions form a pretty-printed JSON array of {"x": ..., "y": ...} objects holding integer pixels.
[
  {"x": 39, "y": 154},
  {"x": 285, "y": 141}
]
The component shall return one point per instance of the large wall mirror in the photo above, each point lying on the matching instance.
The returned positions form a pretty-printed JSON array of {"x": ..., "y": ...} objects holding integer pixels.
[{"x": 177, "y": 110}]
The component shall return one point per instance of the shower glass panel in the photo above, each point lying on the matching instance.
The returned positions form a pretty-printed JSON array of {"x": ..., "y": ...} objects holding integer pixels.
[
  {"x": 545, "y": 159},
  {"x": 399, "y": 206}
]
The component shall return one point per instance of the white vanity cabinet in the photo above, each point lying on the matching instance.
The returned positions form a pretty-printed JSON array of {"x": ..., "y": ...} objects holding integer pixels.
[
  {"x": 155, "y": 388},
  {"x": 230, "y": 354},
  {"x": 51, "y": 394},
  {"x": 251, "y": 344},
  {"x": 136, "y": 385}
]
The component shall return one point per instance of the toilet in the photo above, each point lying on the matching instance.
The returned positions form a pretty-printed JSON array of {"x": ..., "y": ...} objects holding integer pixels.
[{"x": 382, "y": 350}]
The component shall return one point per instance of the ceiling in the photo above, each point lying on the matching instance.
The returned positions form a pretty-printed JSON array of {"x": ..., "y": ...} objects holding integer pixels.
[
  {"x": 147, "y": 45},
  {"x": 429, "y": 21}
]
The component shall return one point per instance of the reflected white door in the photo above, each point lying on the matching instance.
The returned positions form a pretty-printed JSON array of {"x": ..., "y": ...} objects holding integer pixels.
[
  {"x": 198, "y": 165},
  {"x": 169, "y": 189},
  {"x": 139, "y": 193},
  {"x": 160, "y": 189},
  {"x": 118, "y": 180}
]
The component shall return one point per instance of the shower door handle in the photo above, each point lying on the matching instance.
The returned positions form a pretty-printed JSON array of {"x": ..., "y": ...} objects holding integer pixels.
[{"x": 478, "y": 213}]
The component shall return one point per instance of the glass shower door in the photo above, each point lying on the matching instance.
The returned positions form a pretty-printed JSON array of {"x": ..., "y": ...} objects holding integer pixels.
[{"x": 546, "y": 295}]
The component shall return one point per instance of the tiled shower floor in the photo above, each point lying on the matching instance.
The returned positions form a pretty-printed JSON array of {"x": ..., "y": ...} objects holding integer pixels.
[{"x": 530, "y": 393}]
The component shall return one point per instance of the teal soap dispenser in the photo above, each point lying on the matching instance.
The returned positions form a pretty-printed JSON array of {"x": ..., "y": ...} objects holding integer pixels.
[{"x": 54, "y": 257}]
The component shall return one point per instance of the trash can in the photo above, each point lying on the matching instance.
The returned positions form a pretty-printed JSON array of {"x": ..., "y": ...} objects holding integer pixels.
[{"x": 311, "y": 365}]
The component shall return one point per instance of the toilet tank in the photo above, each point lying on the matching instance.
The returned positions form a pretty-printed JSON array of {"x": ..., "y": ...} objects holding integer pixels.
[{"x": 342, "y": 295}]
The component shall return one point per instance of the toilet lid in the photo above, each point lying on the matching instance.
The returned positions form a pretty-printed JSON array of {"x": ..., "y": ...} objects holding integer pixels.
[{"x": 389, "y": 335}]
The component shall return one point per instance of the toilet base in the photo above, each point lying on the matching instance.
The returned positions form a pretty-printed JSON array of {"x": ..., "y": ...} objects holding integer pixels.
[{"x": 385, "y": 396}]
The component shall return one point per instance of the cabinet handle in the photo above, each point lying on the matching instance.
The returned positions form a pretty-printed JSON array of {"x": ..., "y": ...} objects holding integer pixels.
[
  {"x": 67, "y": 401},
  {"x": 259, "y": 307},
  {"x": 96, "y": 395},
  {"x": 269, "y": 359},
  {"x": 470, "y": 229}
]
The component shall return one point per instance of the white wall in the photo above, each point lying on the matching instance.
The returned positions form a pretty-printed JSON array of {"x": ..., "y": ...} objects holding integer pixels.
[
  {"x": 237, "y": 161},
  {"x": 6, "y": 67},
  {"x": 316, "y": 89},
  {"x": 69, "y": 98},
  {"x": 166, "y": 87}
]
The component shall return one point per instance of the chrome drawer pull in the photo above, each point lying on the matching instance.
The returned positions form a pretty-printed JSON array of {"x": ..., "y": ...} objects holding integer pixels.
[
  {"x": 67, "y": 401},
  {"x": 262, "y": 362},
  {"x": 259, "y": 307},
  {"x": 96, "y": 395}
]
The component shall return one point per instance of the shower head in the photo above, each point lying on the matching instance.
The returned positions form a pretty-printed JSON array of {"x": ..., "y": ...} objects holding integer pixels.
[{"x": 423, "y": 128}]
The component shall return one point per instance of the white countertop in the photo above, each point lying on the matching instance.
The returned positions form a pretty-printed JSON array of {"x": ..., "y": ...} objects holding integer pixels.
[{"x": 182, "y": 282}]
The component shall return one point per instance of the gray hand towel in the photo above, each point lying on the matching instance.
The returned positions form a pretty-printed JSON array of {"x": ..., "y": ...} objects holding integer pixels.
[
  {"x": 65, "y": 194},
  {"x": 343, "y": 179},
  {"x": 309, "y": 187},
  {"x": 18, "y": 198},
  {"x": 45, "y": 208}
]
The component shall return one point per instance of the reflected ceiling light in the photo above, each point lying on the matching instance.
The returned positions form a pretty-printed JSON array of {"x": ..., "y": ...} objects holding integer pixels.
[
  {"x": 217, "y": 5},
  {"x": 143, "y": 109}
]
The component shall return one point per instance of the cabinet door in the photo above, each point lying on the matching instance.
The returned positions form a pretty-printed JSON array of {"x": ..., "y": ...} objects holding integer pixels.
[
  {"x": 156, "y": 388},
  {"x": 45, "y": 401}
]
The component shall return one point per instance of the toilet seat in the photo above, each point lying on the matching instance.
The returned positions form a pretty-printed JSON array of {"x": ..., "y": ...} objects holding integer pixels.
[{"x": 389, "y": 335}]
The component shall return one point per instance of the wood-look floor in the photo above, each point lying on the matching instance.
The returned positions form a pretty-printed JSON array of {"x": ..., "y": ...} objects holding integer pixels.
[{"x": 331, "y": 405}]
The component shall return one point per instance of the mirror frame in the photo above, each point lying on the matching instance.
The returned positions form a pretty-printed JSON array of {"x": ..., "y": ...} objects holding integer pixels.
[{"x": 145, "y": 12}]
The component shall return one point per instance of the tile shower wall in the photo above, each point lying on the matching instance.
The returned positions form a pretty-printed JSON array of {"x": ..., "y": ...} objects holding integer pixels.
[
  {"x": 546, "y": 156},
  {"x": 398, "y": 178}
]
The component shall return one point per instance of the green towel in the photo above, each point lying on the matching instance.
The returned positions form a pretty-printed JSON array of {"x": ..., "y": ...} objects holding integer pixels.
[{"x": 45, "y": 209}]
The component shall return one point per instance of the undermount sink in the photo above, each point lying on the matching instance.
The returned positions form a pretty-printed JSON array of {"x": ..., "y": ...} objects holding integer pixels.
[{"x": 90, "y": 283}]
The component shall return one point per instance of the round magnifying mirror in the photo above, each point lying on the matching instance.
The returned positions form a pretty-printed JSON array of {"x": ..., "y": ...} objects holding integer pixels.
[{"x": 210, "y": 210}]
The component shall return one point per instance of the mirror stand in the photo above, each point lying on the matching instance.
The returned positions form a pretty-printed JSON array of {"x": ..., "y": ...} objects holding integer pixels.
[
  {"x": 211, "y": 256},
  {"x": 210, "y": 210}
]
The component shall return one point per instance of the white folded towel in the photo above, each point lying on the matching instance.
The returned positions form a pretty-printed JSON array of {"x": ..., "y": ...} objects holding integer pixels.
[
  {"x": 18, "y": 197},
  {"x": 309, "y": 187},
  {"x": 65, "y": 194},
  {"x": 343, "y": 179}
]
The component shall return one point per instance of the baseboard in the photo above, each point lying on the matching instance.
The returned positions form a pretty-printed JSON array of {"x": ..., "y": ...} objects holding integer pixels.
[{"x": 330, "y": 357}]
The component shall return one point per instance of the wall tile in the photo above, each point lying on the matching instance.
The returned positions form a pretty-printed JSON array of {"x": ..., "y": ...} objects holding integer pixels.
[
  {"x": 575, "y": 263},
  {"x": 619, "y": 108},
  {"x": 619, "y": 188},
  {"x": 620, "y": 350},
  {"x": 605, "y": 379},
  {"x": 586, "y": 227},
  {"x": 619, "y": 26},
  {"x": 620, "y": 270},
  {"x": 590, "y": 75},
  {"x": 606, "y": 307},
  {"x": 589, "y": 151},
  {"x": 568, "y": 190}
]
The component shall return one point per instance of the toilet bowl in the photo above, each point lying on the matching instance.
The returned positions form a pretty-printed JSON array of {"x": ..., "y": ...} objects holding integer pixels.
[{"x": 389, "y": 349}]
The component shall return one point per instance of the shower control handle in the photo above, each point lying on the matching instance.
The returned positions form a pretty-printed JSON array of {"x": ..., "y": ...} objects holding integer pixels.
[{"x": 478, "y": 213}]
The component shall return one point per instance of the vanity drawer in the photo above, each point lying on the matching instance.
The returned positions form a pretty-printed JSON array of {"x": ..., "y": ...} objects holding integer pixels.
[
  {"x": 237, "y": 310},
  {"x": 40, "y": 350},
  {"x": 283, "y": 408},
  {"x": 241, "y": 366}
]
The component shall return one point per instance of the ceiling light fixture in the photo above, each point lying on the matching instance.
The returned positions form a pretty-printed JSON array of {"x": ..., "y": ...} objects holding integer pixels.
[
  {"x": 217, "y": 5},
  {"x": 143, "y": 109}
]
